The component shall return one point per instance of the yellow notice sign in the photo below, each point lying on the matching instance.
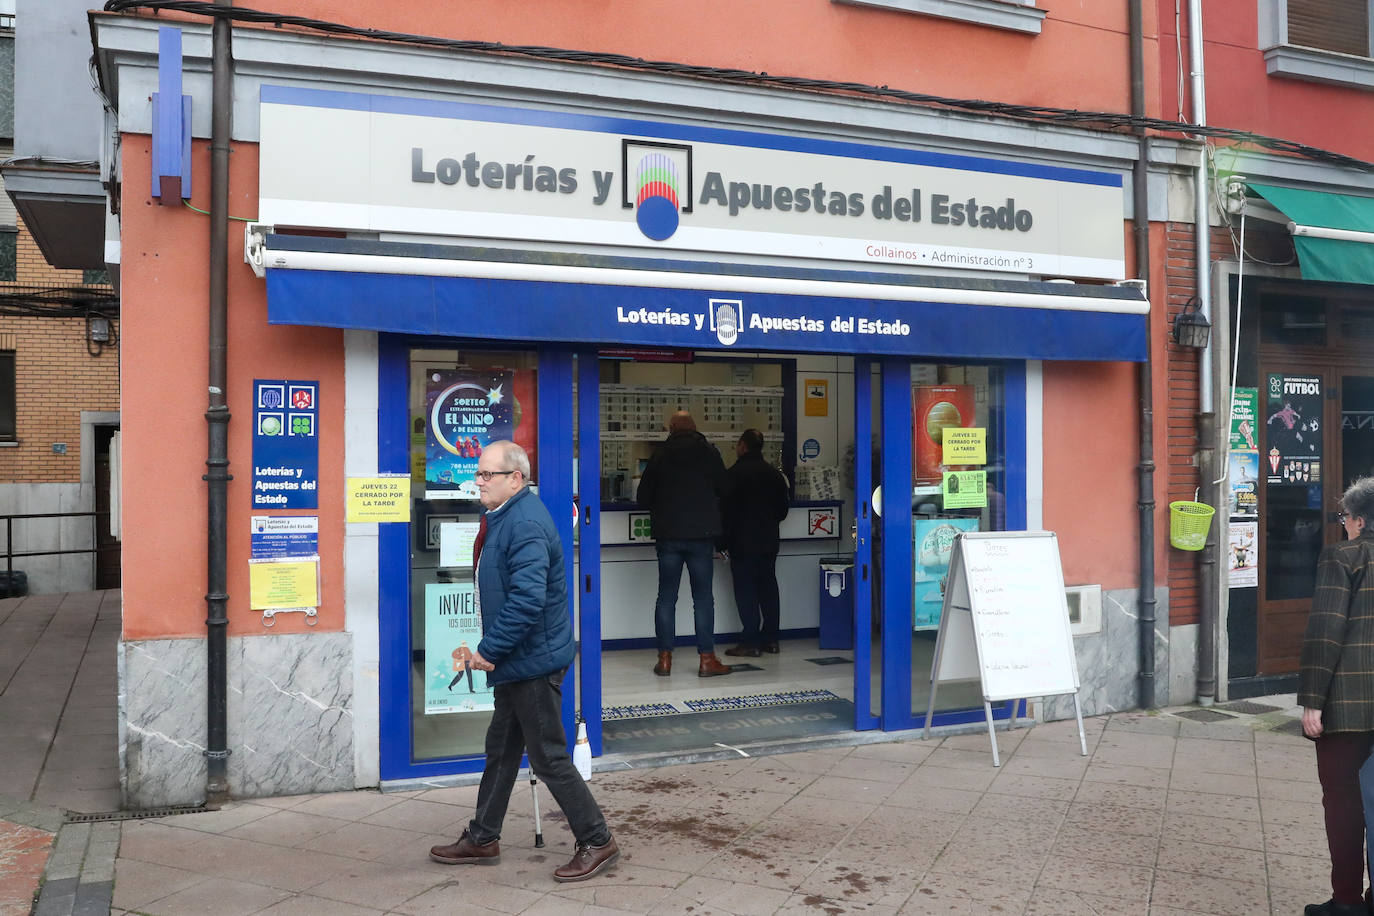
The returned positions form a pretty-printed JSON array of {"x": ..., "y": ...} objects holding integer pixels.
[
  {"x": 290, "y": 583},
  {"x": 379, "y": 499},
  {"x": 964, "y": 489},
  {"x": 817, "y": 397},
  {"x": 965, "y": 445}
]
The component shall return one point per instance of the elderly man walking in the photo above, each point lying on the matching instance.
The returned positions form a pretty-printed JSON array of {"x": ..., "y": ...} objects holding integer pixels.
[{"x": 527, "y": 646}]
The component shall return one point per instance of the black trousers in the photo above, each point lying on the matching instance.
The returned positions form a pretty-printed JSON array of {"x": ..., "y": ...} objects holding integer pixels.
[
  {"x": 527, "y": 719},
  {"x": 1339, "y": 759},
  {"x": 756, "y": 596}
]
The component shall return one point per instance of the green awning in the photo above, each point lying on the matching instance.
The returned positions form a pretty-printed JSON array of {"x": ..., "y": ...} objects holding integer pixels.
[{"x": 1333, "y": 233}]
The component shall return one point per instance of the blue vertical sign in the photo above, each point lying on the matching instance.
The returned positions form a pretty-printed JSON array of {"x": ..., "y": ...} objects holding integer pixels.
[{"x": 286, "y": 450}]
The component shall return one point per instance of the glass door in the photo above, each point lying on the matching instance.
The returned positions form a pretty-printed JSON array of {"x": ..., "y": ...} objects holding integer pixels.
[{"x": 1294, "y": 466}]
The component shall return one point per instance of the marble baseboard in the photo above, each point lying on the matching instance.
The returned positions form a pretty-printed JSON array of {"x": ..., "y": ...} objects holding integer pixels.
[
  {"x": 1109, "y": 660},
  {"x": 290, "y": 718}
]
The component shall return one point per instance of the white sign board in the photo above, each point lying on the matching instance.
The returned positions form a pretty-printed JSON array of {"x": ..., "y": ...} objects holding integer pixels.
[
  {"x": 456, "y": 540},
  {"x": 390, "y": 164},
  {"x": 1005, "y": 621}
]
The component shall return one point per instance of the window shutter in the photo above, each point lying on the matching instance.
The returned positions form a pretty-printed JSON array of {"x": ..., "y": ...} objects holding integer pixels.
[{"x": 1331, "y": 25}]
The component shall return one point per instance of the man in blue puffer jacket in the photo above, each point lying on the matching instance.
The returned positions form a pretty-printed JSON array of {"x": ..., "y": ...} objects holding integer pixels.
[{"x": 527, "y": 646}]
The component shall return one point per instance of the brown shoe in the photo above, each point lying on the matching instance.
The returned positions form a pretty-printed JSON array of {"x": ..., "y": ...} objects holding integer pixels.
[
  {"x": 588, "y": 861},
  {"x": 665, "y": 664},
  {"x": 465, "y": 852},
  {"x": 711, "y": 666},
  {"x": 771, "y": 648},
  {"x": 744, "y": 652}
]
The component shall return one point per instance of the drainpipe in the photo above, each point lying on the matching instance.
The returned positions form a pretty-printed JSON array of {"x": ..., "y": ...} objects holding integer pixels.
[
  {"x": 217, "y": 419},
  {"x": 1140, "y": 226},
  {"x": 1206, "y": 412}
]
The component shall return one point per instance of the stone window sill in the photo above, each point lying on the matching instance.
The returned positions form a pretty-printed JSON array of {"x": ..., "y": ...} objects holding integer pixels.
[
  {"x": 1313, "y": 65},
  {"x": 1013, "y": 15}
]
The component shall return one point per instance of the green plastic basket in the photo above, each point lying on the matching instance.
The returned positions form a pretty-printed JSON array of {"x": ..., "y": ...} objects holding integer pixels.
[{"x": 1188, "y": 524}]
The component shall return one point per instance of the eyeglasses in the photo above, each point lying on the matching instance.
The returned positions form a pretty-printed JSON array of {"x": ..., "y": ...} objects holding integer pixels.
[
  {"x": 1341, "y": 516},
  {"x": 486, "y": 476}
]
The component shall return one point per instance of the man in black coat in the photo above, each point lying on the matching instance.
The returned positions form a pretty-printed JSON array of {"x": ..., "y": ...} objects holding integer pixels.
[
  {"x": 755, "y": 503},
  {"x": 681, "y": 486}
]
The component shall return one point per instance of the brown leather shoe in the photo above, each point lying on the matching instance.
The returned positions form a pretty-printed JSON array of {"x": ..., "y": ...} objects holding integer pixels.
[
  {"x": 588, "y": 861},
  {"x": 665, "y": 664},
  {"x": 771, "y": 648},
  {"x": 465, "y": 852},
  {"x": 711, "y": 666},
  {"x": 744, "y": 652}
]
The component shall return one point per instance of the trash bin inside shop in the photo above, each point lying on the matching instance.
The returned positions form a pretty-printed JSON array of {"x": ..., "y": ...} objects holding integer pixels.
[
  {"x": 13, "y": 583},
  {"x": 837, "y": 603}
]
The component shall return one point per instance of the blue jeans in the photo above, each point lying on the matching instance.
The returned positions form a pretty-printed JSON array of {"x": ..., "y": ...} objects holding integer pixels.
[
  {"x": 696, "y": 554},
  {"x": 528, "y": 719}
]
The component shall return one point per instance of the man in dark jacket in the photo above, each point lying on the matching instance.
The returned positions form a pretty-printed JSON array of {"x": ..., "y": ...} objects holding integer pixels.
[
  {"x": 527, "y": 645},
  {"x": 681, "y": 486},
  {"x": 754, "y": 505}
]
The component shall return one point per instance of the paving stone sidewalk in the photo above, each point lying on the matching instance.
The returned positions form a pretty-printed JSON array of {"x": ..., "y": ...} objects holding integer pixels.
[{"x": 1167, "y": 816}]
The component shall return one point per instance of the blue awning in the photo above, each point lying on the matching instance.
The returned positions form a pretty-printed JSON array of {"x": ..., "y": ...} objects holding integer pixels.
[{"x": 571, "y": 299}]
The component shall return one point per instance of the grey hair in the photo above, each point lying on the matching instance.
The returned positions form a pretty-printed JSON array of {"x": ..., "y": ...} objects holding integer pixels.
[
  {"x": 513, "y": 457},
  {"x": 1358, "y": 500}
]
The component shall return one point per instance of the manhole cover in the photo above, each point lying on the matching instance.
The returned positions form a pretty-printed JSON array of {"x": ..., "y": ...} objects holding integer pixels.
[
  {"x": 1291, "y": 727},
  {"x": 1248, "y": 708},
  {"x": 1204, "y": 715}
]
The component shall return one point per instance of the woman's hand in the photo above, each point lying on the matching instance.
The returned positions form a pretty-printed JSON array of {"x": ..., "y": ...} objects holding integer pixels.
[{"x": 1312, "y": 722}]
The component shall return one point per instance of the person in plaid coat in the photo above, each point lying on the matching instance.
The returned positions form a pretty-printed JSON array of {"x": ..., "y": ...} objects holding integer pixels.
[{"x": 1336, "y": 691}]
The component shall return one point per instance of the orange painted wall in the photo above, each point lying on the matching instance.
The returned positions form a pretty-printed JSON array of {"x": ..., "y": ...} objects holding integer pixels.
[
  {"x": 165, "y": 295},
  {"x": 1078, "y": 61},
  {"x": 1091, "y": 454},
  {"x": 1241, "y": 94}
]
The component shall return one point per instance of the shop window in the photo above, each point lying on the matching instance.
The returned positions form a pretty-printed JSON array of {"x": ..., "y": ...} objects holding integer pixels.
[
  {"x": 8, "y": 427},
  {"x": 1293, "y": 321},
  {"x": 9, "y": 254},
  {"x": 1357, "y": 323},
  {"x": 1014, "y": 15},
  {"x": 1326, "y": 41},
  {"x": 460, "y": 401}
]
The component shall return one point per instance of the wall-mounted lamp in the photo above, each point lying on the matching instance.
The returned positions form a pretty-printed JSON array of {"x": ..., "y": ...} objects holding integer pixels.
[{"x": 1191, "y": 327}]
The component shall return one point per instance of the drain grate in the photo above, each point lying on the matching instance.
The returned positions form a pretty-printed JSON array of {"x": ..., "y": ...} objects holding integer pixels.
[
  {"x": 136, "y": 815},
  {"x": 1248, "y": 708},
  {"x": 1291, "y": 727},
  {"x": 1204, "y": 715}
]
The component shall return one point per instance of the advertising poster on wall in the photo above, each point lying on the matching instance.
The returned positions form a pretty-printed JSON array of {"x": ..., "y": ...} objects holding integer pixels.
[
  {"x": 1244, "y": 422},
  {"x": 936, "y": 409},
  {"x": 1244, "y": 478},
  {"x": 1244, "y": 555},
  {"x": 467, "y": 410},
  {"x": 453, "y": 628},
  {"x": 1292, "y": 430},
  {"x": 286, "y": 445},
  {"x": 934, "y": 538}
]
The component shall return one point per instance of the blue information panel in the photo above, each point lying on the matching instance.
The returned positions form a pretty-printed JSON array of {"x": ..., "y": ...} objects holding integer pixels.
[{"x": 286, "y": 444}]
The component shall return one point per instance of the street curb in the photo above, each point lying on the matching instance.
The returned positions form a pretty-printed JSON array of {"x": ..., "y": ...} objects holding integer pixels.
[{"x": 79, "y": 879}]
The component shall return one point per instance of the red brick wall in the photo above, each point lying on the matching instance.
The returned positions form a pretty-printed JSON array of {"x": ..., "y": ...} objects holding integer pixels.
[
  {"x": 1179, "y": 456},
  {"x": 55, "y": 377}
]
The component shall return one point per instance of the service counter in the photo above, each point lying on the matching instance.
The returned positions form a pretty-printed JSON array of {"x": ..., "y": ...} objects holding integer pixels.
[{"x": 629, "y": 571}]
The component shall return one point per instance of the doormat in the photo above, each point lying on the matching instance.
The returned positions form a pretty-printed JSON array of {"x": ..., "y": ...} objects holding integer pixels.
[
  {"x": 642, "y": 711},
  {"x": 831, "y": 660},
  {"x": 698, "y": 730},
  {"x": 755, "y": 701}
]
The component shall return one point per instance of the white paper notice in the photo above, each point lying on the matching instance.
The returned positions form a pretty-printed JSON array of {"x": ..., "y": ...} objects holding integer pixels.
[{"x": 455, "y": 543}]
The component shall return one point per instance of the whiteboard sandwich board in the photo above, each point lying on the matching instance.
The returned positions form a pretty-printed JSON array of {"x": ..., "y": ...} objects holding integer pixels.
[{"x": 1005, "y": 623}]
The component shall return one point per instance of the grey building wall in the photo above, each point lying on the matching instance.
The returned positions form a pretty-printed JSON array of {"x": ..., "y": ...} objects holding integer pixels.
[{"x": 57, "y": 114}]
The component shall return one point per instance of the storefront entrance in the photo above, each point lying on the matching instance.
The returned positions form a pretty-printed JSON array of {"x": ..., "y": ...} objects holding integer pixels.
[
  {"x": 1313, "y": 435},
  {"x": 587, "y": 422}
]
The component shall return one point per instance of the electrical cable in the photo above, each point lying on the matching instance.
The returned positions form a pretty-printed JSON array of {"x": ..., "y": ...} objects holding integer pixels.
[{"x": 1099, "y": 120}]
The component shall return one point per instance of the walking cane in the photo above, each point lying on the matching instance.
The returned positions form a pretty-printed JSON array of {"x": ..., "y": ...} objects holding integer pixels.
[{"x": 534, "y": 793}]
